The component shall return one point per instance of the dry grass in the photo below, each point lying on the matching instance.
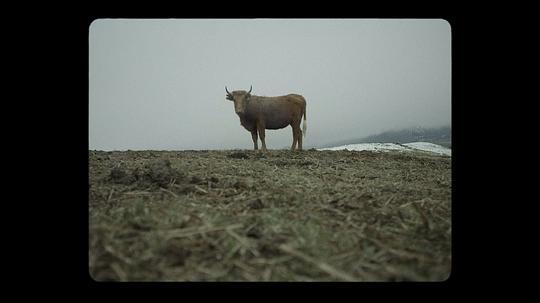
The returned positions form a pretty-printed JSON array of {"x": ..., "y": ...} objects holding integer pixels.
[{"x": 279, "y": 216}]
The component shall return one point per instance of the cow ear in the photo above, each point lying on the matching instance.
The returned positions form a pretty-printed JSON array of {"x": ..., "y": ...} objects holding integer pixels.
[{"x": 229, "y": 97}]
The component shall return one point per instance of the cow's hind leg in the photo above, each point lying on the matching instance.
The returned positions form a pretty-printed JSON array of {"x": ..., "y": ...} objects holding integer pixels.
[
  {"x": 260, "y": 129},
  {"x": 254, "y": 137},
  {"x": 297, "y": 136}
]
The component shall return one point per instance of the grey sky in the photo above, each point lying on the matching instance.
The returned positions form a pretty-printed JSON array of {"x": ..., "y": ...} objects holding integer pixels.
[{"x": 159, "y": 83}]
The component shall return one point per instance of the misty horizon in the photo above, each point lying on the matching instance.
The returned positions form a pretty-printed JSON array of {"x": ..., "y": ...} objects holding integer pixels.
[{"x": 159, "y": 84}]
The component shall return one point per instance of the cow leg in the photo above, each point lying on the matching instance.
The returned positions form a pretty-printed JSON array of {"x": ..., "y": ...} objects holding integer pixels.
[
  {"x": 254, "y": 137},
  {"x": 295, "y": 136},
  {"x": 261, "y": 128},
  {"x": 299, "y": 138}
]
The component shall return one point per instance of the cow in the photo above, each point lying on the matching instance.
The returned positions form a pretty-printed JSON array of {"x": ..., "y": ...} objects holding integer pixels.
[{"x": 258, "y": 113}]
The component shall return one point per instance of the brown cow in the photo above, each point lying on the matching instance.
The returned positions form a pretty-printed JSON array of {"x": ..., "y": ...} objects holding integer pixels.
[{"x": 258, "y": 113}]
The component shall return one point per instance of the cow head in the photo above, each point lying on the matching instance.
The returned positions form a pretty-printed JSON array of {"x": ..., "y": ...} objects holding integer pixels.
[{"x": 240, "y": 99}]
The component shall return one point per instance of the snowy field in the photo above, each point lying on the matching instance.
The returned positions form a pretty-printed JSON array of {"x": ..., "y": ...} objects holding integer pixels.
[{"x": 407, "y": 147}]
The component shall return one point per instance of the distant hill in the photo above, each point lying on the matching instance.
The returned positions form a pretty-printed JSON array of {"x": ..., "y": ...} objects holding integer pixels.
[{"x": 440, "y": 135}]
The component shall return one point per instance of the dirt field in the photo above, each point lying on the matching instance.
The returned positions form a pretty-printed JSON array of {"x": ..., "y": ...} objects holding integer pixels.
[{"x": 275, "y": 216}]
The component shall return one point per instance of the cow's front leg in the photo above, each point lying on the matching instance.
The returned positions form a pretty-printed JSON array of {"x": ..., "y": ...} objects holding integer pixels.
[
  {"x": 260, "y": 129},
  {"x": 254, "y": 137}
]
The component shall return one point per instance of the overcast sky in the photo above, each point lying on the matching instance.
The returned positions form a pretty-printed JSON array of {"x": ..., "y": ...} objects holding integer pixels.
[{"x": 159, "y": 83}]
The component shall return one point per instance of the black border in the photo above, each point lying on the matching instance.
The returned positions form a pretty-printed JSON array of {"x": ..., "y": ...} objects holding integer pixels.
[{"x": 73, "y": 225}]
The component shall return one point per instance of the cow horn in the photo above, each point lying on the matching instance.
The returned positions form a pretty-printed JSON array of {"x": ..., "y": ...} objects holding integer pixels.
[
  {"x": 228, "y": 93},
  {"x": 250, "y": 88}
]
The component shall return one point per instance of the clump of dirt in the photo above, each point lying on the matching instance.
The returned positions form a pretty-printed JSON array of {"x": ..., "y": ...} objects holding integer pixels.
[
  {"x": 156, "y": 173},
  {"x": 120, "y": 175},
  {"x": 255, "y": 204},
  {"x": 161, "y": 173},
  {"x": 239, "y": 155}
]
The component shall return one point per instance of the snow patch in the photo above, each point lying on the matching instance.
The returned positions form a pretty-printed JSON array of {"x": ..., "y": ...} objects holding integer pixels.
[
  {"x": 384, "y": 147},
  {"x": 430, "y": 147}
]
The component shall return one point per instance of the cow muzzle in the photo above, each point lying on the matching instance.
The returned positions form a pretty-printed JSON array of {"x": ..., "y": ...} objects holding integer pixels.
[{"x": 239, "y": 109}]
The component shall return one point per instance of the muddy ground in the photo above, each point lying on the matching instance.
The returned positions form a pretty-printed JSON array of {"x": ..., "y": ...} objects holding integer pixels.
[{"x": 276, "y": 216}]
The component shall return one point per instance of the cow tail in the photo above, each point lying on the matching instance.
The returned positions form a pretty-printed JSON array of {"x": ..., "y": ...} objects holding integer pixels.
[{"x": 304, "y": 125}]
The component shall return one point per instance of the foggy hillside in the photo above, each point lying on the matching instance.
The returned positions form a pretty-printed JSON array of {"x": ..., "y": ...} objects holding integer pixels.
[{"x": 441, "y": 136}]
